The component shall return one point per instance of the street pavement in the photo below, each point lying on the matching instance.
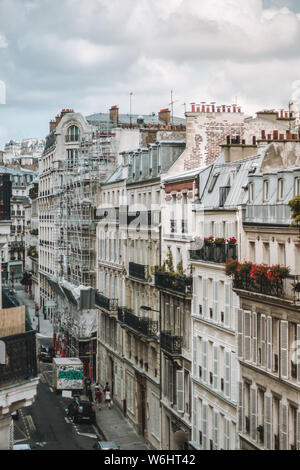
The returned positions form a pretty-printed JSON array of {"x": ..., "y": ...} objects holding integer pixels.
[{"x": 46, "y": 423}]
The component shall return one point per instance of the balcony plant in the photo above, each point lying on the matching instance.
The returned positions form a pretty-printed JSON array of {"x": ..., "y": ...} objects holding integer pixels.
[
  {"x": 209, "y": 240},
  {"x": 232, "y": 241},
  {"x": 245, "y": 268},
  {"x": 295, "y": 207},
  {"x": 220, "y": 241},
  {"x": 231, "y": 267}
]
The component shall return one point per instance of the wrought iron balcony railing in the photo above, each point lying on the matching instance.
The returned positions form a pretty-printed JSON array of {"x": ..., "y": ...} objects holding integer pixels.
[
  {"x": 143, "y": 325},
  {"x": 105, "y": 302},
  {"x": 287, "y": 289},
  {"x": 170, "y": 343},
  {"x": 21, "y": 360},
  {"x": 177, "y": 283},
  {"x": 215, "y": 253},
  {"x": 138, "y": 271}
]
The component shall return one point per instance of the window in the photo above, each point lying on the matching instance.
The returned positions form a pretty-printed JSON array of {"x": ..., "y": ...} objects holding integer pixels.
[
  {"x": 266, "y": 190},
  {"x": 297, "y": 186},
  {"x": 73, "y": 134},
  {"x": 280, "y": 189},
  {"x": 213, "y": 182}
]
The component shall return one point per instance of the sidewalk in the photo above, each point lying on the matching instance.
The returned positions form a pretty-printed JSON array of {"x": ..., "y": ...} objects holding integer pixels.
[
  {"x": 46, "y": 328},
  {"x": 115, "y": 427}
]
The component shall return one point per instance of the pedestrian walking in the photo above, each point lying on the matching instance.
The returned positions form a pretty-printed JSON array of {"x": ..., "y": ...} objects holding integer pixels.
[
  {"x": 98, "y": 396},
  {"x": 107, "y": 396}
]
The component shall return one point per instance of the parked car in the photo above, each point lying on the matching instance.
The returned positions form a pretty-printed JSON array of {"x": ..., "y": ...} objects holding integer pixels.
[
  {"x": 46, "y": 354},
  {"x": 81, "y": 410},
  {"x": 105, "y": 445}
]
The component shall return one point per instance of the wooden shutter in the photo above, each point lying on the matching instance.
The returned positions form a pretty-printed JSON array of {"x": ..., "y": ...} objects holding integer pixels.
[
  {"x": 247, "y": 337},
  {"x": 215, "y": 302},
  {"x": 227, "y": 288},
  {"x": 194, "y": 417},
  {"x": 283, "y": 425},
  {"x": 254, "y": 337},
  {"x": 284, "y": 342},
  {"x": 263, "y": 340},
  {"x": 204, "y": 425},
  {"x": 297, "y": 354},
  {"x": 227, "y": 373},
  {"x": 216, "y": 430},
  {"x": 241, "y": 408},
  {"x": 268, "y": 421},
  {"x": 269, "y": 344},
  {"x": 195, "y": 341},
  {"x": 253, "y": 410},
  {"x": 205, "y": 298},
  {"x": 234, "y": 377},
  {"x": 204, "y": 361},
  {"x": 215, "y": 367},
  {"x": 240, "y": 333},
  {"x": 298, "y": 430},
  {"x": 180, "y": 391}
]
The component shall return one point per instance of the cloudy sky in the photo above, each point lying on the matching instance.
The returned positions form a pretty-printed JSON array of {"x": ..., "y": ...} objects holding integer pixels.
[{"x": 89, "y": 55}]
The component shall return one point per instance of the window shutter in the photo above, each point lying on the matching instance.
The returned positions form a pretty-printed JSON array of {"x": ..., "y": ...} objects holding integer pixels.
[
  {"x": 247, "y": 338},
  {"x": 170, "y": 391},
  {"x": 284, "y": 341},
  {"x": 195, "y": 340},
  {"x": 234, "y": 377},
  {"x": 194, "y": 415},
  {"x": 204, "y": 425},
  {"x": 269, "y": 344},
  {"x": 298, "y": 430},
  {"x": 283, "y": 425},
  {"x": 205, "y": 298},
  {"x": 195, "y": 304},
  {"x": 227, "y": 373},
  {"x": 268, "y": 420},
  {"x": 253, "y": 408},
  {"x": 215, "y": 302},
  {"x": 254, "y": 337},
  {"x": 297, "y": 354},
  {"x": 215, "y": 368},
  {"x": 227, "y": 305},
  {"x": 180, "y": 391},
  {"x": 204, "y": 361},
  {"x": 241, "y": 407},
  {"x": 216, "y": 430},
  {"x": 263, "y": 340},
  {"x": 227, "y": 434},
  {"x": 240, "y": 331}
]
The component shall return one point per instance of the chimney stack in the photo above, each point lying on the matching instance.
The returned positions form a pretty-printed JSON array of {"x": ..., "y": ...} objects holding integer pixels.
[
  {"x": 114, "y": 115},
  {"x": 165, "y": 115}
]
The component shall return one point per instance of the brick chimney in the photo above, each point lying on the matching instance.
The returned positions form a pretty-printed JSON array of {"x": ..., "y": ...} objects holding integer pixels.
[
  {"x": 165, "y": 115},
  {"x": 54, "y": 122},
  {"x": 114, "y": 115}
]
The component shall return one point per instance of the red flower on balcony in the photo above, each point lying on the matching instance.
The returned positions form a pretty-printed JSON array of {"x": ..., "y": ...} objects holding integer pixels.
[{"x": 232, "y": 241}]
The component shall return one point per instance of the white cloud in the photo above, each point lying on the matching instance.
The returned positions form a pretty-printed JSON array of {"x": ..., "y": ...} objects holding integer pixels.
[{"x": 3, "y": 42}]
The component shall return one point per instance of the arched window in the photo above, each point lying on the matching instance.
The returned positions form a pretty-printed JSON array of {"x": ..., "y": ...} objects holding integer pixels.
[{"x": 73, "y": 134}]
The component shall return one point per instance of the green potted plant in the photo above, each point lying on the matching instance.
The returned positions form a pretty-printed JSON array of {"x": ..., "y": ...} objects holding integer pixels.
[
  {"x": 220, "y": 241},
  {"x": 231, "y": 267}
]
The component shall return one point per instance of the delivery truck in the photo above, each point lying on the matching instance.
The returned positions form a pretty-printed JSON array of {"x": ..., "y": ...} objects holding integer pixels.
[{"x": 68, "y": 374}]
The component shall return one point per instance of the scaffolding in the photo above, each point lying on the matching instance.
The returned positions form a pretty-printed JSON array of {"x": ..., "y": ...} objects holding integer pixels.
[{"x": 76, "y": 188}]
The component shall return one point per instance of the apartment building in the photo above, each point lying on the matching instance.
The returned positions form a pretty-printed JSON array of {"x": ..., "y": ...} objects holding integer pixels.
[
  {"x": 268, "y": 321},
  {"x": 31, "y": 238}
]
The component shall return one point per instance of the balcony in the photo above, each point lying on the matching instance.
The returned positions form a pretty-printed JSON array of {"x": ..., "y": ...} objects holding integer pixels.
[
  {"x": 142, "y": 325},
  {"x": 21, "y": 361},
  {"x": 215, "y": 253},
  {"x": 175, "y": 283},
  {"x": 105, "y": 302},
  {"x": 138, "y": 271},
  {"x": 279, "y": 288},
  {"x": 170, "y": 343}
]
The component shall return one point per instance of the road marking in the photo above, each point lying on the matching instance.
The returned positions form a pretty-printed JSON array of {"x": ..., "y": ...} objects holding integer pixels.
[
  {"x": 93, "y": 436},
  {"x": 67, "y": 420},
  {"x": 51, "y": 389}
]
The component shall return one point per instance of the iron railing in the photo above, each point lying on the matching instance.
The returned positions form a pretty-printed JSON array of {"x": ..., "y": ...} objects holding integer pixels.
[
  {"x": 177, "y": 283},
  {"x": 143, "y": 325},
  {"x": 105, "y": 302},
  {"x": 170, "y": 343},
  {"x": 21, "y": 359},
  {"x": 287, "y": 288},
  {"x": 215, "y": 253},
  {"x": 138, "y": 271}
]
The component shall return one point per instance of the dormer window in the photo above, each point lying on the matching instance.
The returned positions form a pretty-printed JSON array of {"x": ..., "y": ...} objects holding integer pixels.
[
  {"x": 73, "y": 134},
  {"x": 280, "y": 189},
  {"x": 297, "y": 186},
  {"x": 251, "y": 193},
  {"x": 266, "y": 190}
]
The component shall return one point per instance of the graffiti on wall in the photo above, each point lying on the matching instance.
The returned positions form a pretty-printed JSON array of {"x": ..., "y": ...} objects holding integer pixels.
[{"x": 70, "y": 377}]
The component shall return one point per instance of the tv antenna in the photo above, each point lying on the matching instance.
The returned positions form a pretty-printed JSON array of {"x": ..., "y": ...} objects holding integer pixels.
[{"x": 172, "y": 106}]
